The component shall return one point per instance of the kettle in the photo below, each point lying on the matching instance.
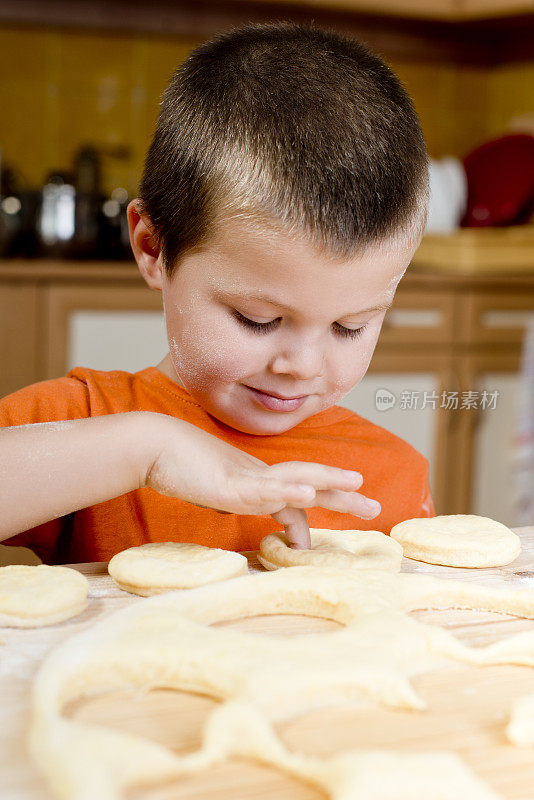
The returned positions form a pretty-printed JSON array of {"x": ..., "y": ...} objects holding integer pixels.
[
  {"x": 72, "y": 222},
  {"x": 68, "y": 218}
]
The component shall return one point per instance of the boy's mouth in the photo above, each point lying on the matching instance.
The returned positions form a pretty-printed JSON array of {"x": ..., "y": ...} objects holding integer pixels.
[{"x": 275, "y": 402}]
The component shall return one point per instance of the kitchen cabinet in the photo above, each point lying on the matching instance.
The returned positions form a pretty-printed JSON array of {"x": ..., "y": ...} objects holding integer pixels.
[
  {"x": 101, "y": 326},
  {"x": 129, "y": 338},
  {"x": 447, "y": 337},
  {"x": 386, "y": 398},
  {"x": 18, "y": 334},
  {"x": 494, "y": 489},
  {"x": 412, "y": 384}
]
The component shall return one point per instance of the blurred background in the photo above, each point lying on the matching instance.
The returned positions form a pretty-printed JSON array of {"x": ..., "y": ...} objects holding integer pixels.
[{"x": 453, "y": 374}]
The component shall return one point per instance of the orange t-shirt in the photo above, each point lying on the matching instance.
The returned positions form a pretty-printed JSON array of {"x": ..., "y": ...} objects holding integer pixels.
[{"x": 394, "y": 473}]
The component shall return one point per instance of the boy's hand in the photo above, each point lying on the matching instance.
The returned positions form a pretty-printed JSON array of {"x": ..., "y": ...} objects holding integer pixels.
[{"x": 197, "y": 467}]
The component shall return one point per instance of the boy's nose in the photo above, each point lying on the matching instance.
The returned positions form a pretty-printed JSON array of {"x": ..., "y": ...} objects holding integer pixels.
[{"x": 301, "y": 362}]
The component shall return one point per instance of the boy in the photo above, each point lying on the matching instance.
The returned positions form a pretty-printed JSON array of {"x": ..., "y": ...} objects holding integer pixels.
[{"x": 283, "y": 197}]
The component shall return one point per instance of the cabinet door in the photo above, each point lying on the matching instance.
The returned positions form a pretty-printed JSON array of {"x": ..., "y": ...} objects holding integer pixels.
[
  {"x": 18, "y": 336},
  {"x": 494, "y": 489},
  {"x": 407, "y": 395},
  {"x": 495, "y": 318},
  {"x": 102, "y": 327},
  {"x": 490, "y": 436},
  {"x": 107, "y": 340},
  {"x": 395, "y": 401}
]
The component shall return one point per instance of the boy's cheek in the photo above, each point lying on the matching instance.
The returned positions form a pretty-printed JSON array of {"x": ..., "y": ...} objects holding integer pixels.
[
  {"x": 205, "y": 359},
  {"x": 350, "y": 371}
]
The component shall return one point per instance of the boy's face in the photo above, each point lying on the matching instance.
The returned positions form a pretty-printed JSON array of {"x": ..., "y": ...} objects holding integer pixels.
[{"x": 264, "y": 331}]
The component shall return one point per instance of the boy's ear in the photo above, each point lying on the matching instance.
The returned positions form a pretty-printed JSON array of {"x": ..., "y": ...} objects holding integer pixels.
[{"x": 145, "y": 249}]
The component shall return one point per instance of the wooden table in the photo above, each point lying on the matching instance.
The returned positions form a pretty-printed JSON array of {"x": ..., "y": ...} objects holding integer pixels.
[{"x": 467, "y": 706}]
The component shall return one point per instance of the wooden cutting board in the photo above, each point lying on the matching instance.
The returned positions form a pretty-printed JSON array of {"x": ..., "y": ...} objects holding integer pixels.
[{"x": 467, "y": 706}]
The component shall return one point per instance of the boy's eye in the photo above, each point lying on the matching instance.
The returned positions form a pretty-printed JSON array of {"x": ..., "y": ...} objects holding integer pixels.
[
  {"x": 259, "y": 327},
  {"x": 265, "y": 327},
  {"x": 348, "y": 333}
]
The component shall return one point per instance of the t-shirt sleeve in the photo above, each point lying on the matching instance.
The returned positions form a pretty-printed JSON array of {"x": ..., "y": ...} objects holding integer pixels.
[{"x": 48, "y": 401}]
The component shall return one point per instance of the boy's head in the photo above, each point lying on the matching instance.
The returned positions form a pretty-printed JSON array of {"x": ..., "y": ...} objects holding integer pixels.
[
  {"x": 288, "y": 163},
  {"x": 286, "y": 125}
]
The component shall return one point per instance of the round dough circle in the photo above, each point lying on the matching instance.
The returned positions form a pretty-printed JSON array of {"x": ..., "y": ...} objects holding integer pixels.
[
  {"x": 352, "y": 549},
  {"x": 458, "y": 540},
  {"x": 164, "y": 566},
  {"x": 31, "y": 596}
]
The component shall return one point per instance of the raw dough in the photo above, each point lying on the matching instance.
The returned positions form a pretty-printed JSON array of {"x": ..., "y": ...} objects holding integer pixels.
[
  {"x": 40, "y": 595},
  {"x": 350, "y": 549},
  {"x": 167, "y": 641},
  {"x": 164, "y": 566},
  {"x": 458, "y": 540},
  {"x": 520, "y": 730}
]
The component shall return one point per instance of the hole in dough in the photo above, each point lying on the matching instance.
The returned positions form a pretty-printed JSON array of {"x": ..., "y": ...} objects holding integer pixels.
[
  {"x": 490, "y": 626},
  {"x": 170, "y": 717},
  {"x": 281, "y": 624},
  {"x": 236, "y": 778},
  {"x": 468, "y": 709}
]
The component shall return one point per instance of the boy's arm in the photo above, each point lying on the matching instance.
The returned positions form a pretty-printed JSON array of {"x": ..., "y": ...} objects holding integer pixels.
[{"x": 50, "y": 469}]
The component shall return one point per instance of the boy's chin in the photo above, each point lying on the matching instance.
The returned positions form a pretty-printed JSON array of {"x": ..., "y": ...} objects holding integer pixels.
[{"x": 259, "y": 425}]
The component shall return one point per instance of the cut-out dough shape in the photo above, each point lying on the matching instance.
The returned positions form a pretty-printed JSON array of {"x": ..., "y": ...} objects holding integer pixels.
[
  {"x": 520, "y": 730},
  {"x": 458, "y": 540},
  {"x": 343, "y": 549},
  {"x": 163, "y": 566},
  {"x": 40, "y": 595},
  {"x": 167, "y": 641}
]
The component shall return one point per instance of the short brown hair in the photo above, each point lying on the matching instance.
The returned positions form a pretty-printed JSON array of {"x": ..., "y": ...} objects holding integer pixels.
[{"x": 301, "y": 127}]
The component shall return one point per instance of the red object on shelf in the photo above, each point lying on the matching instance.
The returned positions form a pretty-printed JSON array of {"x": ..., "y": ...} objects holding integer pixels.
[{"x": 500, "y": 180}]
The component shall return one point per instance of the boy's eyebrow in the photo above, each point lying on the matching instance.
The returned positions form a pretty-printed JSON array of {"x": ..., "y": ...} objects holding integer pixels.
[{"x": 263, "y": 299}]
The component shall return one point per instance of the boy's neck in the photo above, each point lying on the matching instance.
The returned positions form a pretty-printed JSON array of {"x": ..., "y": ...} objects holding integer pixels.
[{"x": 166, "y": 366}]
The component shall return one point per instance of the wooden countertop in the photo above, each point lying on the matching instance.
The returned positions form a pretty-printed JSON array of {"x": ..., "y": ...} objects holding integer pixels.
[{"x": 468, "y": 706}]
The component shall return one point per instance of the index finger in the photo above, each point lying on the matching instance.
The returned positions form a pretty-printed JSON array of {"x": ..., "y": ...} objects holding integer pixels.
[{"x": 296, "y": 527}]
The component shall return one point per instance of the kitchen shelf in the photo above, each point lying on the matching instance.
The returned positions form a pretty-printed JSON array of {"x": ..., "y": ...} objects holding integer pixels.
[{"x": 478, "y": 251}]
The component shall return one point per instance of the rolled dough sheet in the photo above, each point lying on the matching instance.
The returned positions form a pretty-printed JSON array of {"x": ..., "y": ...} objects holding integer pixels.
[
  {"x": 520, "y": 730},
  {"x": 169, "y": 641}
]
